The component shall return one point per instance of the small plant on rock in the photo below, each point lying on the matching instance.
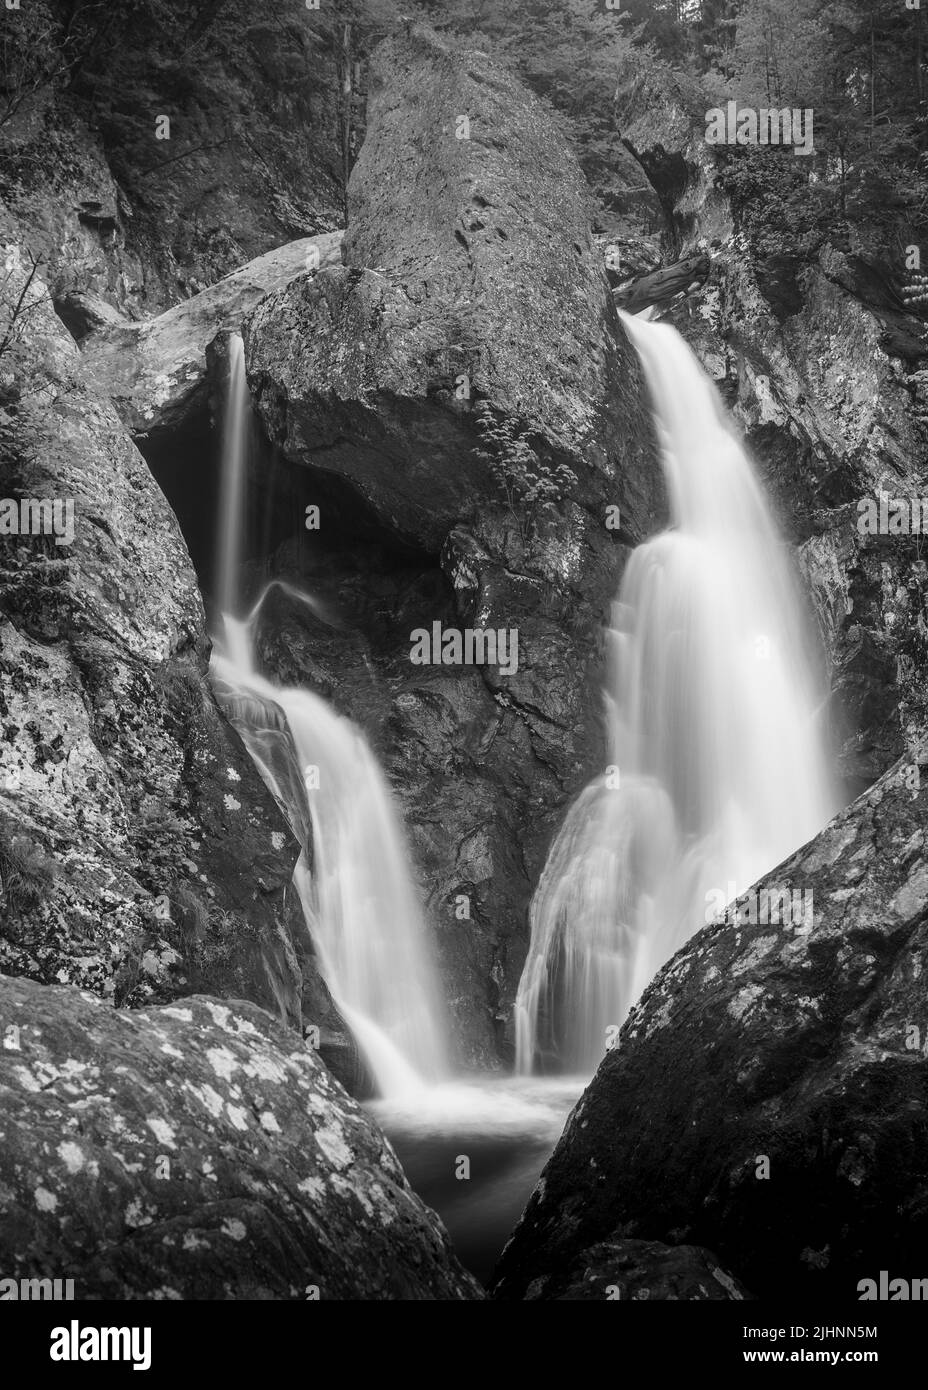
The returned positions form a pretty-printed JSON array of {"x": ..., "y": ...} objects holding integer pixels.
[
  {"x": 529, "y": 484},
  {"x": 26, "y": 874}
]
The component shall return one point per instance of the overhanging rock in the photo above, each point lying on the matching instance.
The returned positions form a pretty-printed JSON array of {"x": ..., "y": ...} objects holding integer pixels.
[
  {"x": 155, "y": 372},
  {"x": 469, "y": 275}
]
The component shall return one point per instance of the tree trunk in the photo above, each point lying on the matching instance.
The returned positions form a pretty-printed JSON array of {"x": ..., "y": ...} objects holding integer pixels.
[{"x": 662, "y": 286}]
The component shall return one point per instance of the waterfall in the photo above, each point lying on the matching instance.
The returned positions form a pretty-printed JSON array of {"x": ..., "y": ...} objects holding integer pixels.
[
  {"x": 716, "y": 768},
  {"x": 235, "y": 430},
  {"x": 359, "y": 901}
]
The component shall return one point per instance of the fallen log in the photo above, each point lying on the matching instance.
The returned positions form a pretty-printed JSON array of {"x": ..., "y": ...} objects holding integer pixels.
[
  {"x": 662, "y": 286},
  {"x": 155, "y": 371}
]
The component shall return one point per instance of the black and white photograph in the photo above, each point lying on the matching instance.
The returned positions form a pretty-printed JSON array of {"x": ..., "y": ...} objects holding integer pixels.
[{"x": 464, "y": 670}]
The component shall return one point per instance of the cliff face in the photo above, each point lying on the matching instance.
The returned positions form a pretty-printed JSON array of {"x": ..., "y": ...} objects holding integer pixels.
[
  {"x": 142, "y": 856},
  {"x": 157, "y": 148},
  {"x": 141, "y": 853}
]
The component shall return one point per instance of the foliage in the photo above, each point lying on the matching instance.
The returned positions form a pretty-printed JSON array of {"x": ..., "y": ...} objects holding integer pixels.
[
  {"x": 858, "y": 66},
  {"x": 18, "y": 296},
  {"x": 529, "y": 484},
  {"x": 26, "y": 874}
]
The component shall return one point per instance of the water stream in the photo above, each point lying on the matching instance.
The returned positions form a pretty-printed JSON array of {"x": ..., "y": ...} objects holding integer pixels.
[
  {"x": 716, "y": 766},
  {"x": 359, "y": 900},
  {"x": 715, "y": 771}
]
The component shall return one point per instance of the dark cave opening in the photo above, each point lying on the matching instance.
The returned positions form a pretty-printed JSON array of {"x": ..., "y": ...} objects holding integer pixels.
[{"x": 307, "y": 527}]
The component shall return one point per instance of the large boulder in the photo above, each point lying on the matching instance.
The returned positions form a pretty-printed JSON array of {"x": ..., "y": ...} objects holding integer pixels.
[
  {"x": 197, "y": 1151},
  {"x": 469, "y": 274},
  {"x": 460, "y": 400},
  {"x": 140, "y": 853},
  {"x": 768, "y": 1096}
]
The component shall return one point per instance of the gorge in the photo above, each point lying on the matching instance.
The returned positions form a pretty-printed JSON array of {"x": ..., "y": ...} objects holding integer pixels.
[{"x": 462, "y": 799}]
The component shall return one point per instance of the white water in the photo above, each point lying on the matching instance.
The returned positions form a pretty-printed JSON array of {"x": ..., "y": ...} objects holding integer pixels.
[
  {"x": 714, "y": 733},
  {"x": 359, "y": 901},
  {"x": 232, "y": 481}
]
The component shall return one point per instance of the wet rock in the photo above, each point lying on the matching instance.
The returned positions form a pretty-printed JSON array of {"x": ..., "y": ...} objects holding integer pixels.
[
  {"x": 767, "y": 1096},
  {"x": 197, "y": 1151}
]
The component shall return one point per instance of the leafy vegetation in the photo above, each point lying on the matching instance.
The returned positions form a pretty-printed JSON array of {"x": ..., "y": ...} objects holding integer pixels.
[
  {"x": 859, "y": 65},
  {"x": 529, "y": 485},
  {"x": 27, "y": 874}
]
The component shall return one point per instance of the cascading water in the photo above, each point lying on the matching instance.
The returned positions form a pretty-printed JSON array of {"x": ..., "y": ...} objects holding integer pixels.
[
  {"x": 717, "y": 768},
  {"x": 360, "y": 904},
  {"x": 235, "y": 431}
]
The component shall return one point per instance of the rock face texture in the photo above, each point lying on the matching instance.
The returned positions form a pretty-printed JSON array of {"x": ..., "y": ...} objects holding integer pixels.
[
  {"x": 197, "y": 1151},
  {"x": 468, "y": 255},
  {"x": 140, "y": 854},
  {"x": 768, "y": 1096},
  {"x": 155, "y": 372},
  {"x": 180, "y": 145},
  {"x": 827, "y": 375},
  {"x": 460, "y": 392}
]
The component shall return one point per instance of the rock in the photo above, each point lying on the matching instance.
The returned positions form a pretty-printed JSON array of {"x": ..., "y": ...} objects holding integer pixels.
[
  {"x": 83, "y": 313},
  {"x": 141, "y": 855},
  {"x": 464, "y": 256},
  {"x": 767, "y": 1097},
  {"x": 197, "y": 1151},
  {"x": 155, "y": 372},
  {"x": 472, "y": 317},
  {"x": 253, "y": 96},
  {"x": 641, "y": 1270}
]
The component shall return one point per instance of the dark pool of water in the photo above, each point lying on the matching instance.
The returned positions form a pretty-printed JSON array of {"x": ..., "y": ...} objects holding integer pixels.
[{"x": 504, "y": 1127}]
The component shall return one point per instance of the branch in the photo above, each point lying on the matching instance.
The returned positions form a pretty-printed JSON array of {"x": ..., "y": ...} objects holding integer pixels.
[
  {"x": 18, "y": 309},
  {"x": 184, "y": 154}
]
